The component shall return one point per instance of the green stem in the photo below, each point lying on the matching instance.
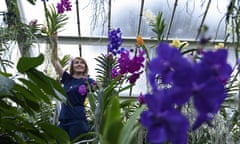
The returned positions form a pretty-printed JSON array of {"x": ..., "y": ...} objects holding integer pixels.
[{"x": 46, "y": 15}]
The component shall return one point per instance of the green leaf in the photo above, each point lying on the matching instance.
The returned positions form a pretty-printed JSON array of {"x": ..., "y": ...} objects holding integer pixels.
[
  {"x": 6, "y": 109},
  {"x": 41, "y": 80},
  {"x": 105, "y": 65},
  {"x": 56, "y": 21},
  {"x": 58, "y": 89},
  {"x": 36, "y": 91},
  {"x": 49, "y": 86},
  {"x": 55, "y": 132},
  {"x": 92, "y": 101},
  {"x": 127, "y": 130},
  {"x": 113, "y": 123},
  {"x": 24, "y": 98},
  {"x": 107, "y": 92},
  {"x": 26, "y": 63},
  {"x": 126, "y": 88},
  {"x": 65, "y": 60}
]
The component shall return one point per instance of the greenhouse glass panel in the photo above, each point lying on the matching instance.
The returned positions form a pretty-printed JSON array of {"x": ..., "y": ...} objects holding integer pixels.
[
  {"x": 188, "y": 17},
  {"x": 182, "y": 23}
]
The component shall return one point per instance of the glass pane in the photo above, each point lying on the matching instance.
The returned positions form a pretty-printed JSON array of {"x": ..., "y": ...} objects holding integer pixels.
[
  {"x": 93, "y": 19},
  {"x": 188, "y": 17},
  {"x": 125, "y": 15}
]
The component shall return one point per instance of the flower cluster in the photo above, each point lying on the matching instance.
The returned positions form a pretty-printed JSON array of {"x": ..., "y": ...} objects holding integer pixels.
[
  {"x": 127, "y": 64},
  {"x": 55, "y": 17},
  {"x": 64, "y": 5},
  {"x": 178, "y": 44},
  {"x": 175, "y": 81},
  {"x": 115, "y": 41},
  {"x": 133, "y": 65}
]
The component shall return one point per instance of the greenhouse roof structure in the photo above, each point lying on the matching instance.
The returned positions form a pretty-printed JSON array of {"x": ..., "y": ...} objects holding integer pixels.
[{"x": 89, "y": 21}]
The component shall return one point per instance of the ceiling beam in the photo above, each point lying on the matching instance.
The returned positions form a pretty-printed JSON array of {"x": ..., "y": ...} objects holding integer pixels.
[{"x": 103, "y": 41}]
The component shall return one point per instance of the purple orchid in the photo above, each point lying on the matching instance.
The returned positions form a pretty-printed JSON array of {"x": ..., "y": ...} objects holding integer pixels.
[
  {"x": 115, "y": 41},
  {"x": 82, "y": 89},
  {"x": 174, "y": 80},
  {"x": 163, "y": 123},
  {"x": 64, "y": 5}
]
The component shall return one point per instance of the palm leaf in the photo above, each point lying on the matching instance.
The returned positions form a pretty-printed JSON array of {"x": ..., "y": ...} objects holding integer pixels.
[
  {"x": 65, "y": 61},
  {"x": 55, "y": 21},
  {"x": 104, "y": 69}
]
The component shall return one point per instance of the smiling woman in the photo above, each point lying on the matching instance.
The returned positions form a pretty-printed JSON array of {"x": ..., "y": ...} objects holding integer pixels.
[{"x": 76, "y": 84}]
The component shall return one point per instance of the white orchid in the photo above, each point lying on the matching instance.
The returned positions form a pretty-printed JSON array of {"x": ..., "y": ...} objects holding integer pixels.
[{"x": 149, "y": 16}]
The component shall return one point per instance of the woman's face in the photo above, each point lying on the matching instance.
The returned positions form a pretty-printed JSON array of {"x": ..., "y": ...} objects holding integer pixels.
[{"x": 79, "y": 66}]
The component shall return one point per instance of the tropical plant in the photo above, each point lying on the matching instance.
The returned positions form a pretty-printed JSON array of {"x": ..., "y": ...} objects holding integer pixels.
[
  {"x": 21, "y": 101},
  {"x": 104, "y": 69}
]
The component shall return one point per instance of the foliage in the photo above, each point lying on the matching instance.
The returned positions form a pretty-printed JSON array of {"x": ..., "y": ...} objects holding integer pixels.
[
  {"x": 111, "y": 127},
  {"x": 55, "y": 21},
  {"x": 159, "y": 26},
  {"x": 21, "y": 101},
  {"x": 4, "y": 63},
  {"x": 105, "y": 65},
  {"x": 157, "y": 22}
]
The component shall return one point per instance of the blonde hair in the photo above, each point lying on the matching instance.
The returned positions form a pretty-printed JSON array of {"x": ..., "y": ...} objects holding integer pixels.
[{"x": 85, "y": 63}]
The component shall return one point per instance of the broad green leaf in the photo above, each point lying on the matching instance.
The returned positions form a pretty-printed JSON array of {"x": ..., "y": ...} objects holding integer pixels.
[
  {"x": 42, "y": 81},
  {"x": 27, "y": 63},
  {"x": 55, "y": 132},
  {"x": 25, "y": 92},
  {"x": 126, "y": 131},
  {"x": 92, "y": 101},
  {"x": 39, "y": 94},
  {"x": 50, "y": 86},
  {"x": 58, "y": 89},
  {"x": 24, "y": 98},
  {"x": 113, "y": 123},
  {"x": 7, "y": 110}
]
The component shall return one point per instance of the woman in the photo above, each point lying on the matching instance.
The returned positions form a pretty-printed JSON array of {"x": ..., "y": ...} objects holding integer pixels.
[{"x": 76, "y": 84}]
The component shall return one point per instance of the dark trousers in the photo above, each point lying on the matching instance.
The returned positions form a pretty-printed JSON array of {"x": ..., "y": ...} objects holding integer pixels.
[{"x": 74, "y": 128}]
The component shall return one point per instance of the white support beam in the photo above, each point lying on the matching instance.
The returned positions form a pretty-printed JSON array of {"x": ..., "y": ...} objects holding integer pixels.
[{"x": 103, "y": 41}]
